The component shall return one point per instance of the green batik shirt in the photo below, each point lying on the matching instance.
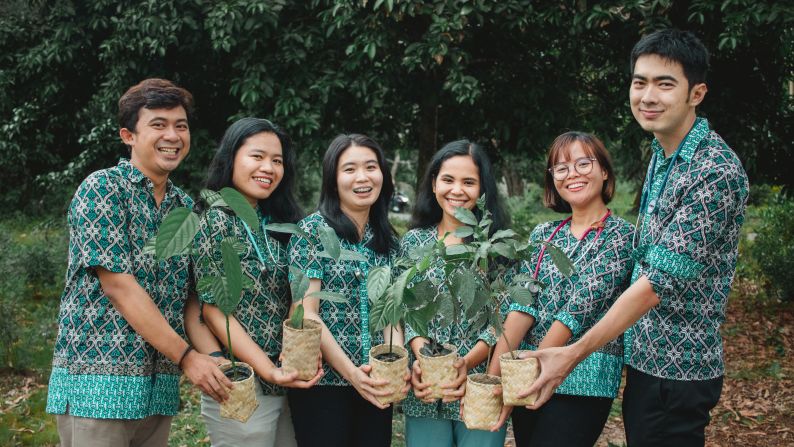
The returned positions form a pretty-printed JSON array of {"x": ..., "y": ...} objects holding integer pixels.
[
  {"x": 454, "y": 334},
  {"x": 264, "y": 306},
  {"x": 687, "y": 249},
  {"x": 603, "y": 268},
  {"x": 349, "y": 321},
  {"x": 101, "y": 367}
]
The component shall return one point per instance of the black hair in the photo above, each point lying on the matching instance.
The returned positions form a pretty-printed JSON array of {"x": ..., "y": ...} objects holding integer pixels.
[
  {"x": 384, "y": 236},
  {"x": 678, "y": 46},
  {"x": 281, "y": 206},
  {"x": 427, "y": 211},
  {"x": 152, "y": 93}
]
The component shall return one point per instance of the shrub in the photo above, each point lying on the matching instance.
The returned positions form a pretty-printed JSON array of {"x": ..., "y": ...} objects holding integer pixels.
[{"x": 773, "y": 245}]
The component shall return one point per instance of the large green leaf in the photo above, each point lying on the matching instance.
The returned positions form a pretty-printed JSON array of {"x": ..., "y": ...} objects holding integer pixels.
[
  {"x": 299, "y": 284},
  {"x": 350, "y": 255},
  {"x": 378, "y": 280},
  {"x": 333, "y": 297},
  {"x": 481, "y": 298},
  {"x": 561, "y": 261},
  {"x": 400, "y": 284},
  {"x": 150, "y": 247},
  {"x": 176, "y": 233},
  {"x": 330, "y": 242},
  {"x": 463, "y": 231},
  {"x": 205, "y": 284},
  {"x": 463, "y": 286},
  {"x": 447, "y": 309},
  {"x": 241, "y": 207},
  {"x": 213, "y": 198},
  {"x": 289, "y": 228},
  {"x": 521, "y": 295},
  {"x": 503, "y": 249},
  {"x": 465, "y": 216},
  {"x": 502, "y": 234},
  {"x": 459, "y": 249},
  {"x": 422, "y": 293},
  {"x": 296, "y": 320},
  {"x": 233, "y": 275}
]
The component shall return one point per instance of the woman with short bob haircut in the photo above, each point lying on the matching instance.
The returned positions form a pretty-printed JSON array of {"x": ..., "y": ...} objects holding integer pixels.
[
  {"x": 256, "y": 158},
  {"x": 343, "y": 409},
  {"x": 580, "y": 180},
  {"x": 457, "y": 176}
]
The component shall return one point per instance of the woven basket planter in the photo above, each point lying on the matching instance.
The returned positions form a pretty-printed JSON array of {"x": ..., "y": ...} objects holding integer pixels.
[
  {"x": 518, "y": 375},
  {"x": 481, "y": 407},
  {"x": 393, "y": 372},
  {"x": 438, "y": 371},
  {"x": 242, "y": 399},
  {"x": 301, "y": 349}
]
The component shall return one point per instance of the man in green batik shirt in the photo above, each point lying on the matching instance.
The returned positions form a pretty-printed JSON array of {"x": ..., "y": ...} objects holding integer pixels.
[
  {"x": 120, "y": 344},
  {"x": 686, "y": 246}
]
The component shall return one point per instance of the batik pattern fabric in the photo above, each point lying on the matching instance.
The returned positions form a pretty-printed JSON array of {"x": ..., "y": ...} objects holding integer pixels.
[
  {"x": 101, "y": 367},
  {"x": 687, "y": 249},
  {"x": 348, "y": 321},
  {"x": 265, "y": 305},
  {"x": 458, "y": 334},
  {"x": 602, "y": 271}
]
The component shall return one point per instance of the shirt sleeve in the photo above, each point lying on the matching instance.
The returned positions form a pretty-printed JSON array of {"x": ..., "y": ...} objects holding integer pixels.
[
  {"x": 98, "y": 220},
  {"x": 696, "y": 232},
  {"x": 303, "y": 253},
  {"x": 208, "y": 259},
  {"x": 599, "y": 283}
]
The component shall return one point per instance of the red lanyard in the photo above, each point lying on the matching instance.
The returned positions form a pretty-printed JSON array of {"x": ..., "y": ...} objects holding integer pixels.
[{"x": 599, "y": 227}]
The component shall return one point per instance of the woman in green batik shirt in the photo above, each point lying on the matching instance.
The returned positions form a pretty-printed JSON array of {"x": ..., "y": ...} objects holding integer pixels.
[
  {"x": 256, "y": 158},
  {"x": 579, "y": 180},
  {"x": 457, "y": 176}
]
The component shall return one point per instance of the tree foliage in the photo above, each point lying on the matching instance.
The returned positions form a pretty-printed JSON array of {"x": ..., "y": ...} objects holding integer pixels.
[{"x": 413, "y": 74}]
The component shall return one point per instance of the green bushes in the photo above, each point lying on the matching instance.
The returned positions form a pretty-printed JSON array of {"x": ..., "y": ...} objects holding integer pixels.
[{"x": 771, "y": 243}]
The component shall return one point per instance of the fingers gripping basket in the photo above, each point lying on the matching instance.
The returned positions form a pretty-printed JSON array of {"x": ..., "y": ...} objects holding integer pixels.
[
  {"x": 517, "y": 375},
  {"x": 242, "y": 398},
  {"x": 481, "y": 407},
  {"x": 394, "y": 371},
  {"x": 438, "y": 370},
  {"x": 301, "y": 349}
]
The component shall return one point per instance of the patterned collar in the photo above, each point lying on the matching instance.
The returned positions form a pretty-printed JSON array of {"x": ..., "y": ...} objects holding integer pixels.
[
  {"x": 691, "y": 141},
  {"x": 134, "y": 175}
]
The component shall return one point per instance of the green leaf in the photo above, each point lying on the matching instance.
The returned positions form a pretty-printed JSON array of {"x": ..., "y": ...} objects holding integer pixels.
[
  {"x": 350, "y": 255},
  {"x": 463, "y": 287},
  {"x": 333, "y": 297},
  {"x": 501, "y": 234},
  {"x": 481, "y": 298},
  {"x": 465, "y": 216},
  {"x": 459, "y": 249},
  {"x": 149, "y": 248},
  {"x": 296, "y": 320},
  {"x": 330, "y": 242},
  {"x": 239, "y": 247},
  {"x": 424, "y": 264},
  {"x": 233, "y": 275},
  {"x": 241, "y": 208},
  {"x": 463, "y": 231},
  {"x": 248, "y": 283},
  {"x": 213, "y": 198},
  {"x": 521, "y": 295},
  {"x": 446, "y": 308},
  {"x": 503, "y": 249},
  {"x": 378, "y": 280},
  {"x": 205, "y": 284},
  {"x": 561, "y": 261},
  {"x": 289, "y": 228},
  {"x": 219, "y": 289},
  {"x": 299, "y": 284},
  {"x": 176, "y": 233},
  {"x": 422, "y": 293}
]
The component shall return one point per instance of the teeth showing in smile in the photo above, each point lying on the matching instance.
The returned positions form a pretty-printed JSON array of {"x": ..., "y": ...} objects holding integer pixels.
[
  {"x": 263, "y": 180},
  {"x": 169, "y": 150},
  {"x": 577, "y": 185},
  {"x": 363, "y": 189},
  {"x": 456, "y": 202}
]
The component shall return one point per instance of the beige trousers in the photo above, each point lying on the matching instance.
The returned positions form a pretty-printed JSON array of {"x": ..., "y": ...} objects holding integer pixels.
[{"x": 77, "y": 431}]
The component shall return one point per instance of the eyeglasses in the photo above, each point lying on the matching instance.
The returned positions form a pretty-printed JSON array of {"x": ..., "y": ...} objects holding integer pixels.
[{"x": 582, "y": 166}]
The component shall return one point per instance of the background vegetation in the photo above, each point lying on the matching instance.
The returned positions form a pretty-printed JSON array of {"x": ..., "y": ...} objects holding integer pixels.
[{"x": 512, "y": 74}]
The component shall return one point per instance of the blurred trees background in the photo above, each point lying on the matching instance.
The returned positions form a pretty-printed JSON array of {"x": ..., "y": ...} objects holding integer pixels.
[{"x": 413, "y": 74}]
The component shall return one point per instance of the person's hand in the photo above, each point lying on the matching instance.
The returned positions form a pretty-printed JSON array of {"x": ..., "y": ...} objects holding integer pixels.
[
  {"x": 407, "y": 386},
  {"x": 555, "y": 365},
  {"x": 203, "y": 371},
  {"x": 456, "y": 389},
  {"x": 368, "y": 387},
  {"x": 421, "y": 390},
  {"x": 506, "y": 410},
  {"x": 289, "y": 379}
]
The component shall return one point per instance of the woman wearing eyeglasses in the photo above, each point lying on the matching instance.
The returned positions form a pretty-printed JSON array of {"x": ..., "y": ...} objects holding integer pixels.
[{"x": 579, "y": 181}]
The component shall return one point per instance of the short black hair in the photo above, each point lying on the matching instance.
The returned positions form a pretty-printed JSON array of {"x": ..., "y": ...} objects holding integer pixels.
[
  {"x": 281, "y": 206},
  {"x": 384, "y": 237},
  {"x": 152, "y": 93},
  {"x": 427, "y": 212},
  {"x": 678, "y": 46}
]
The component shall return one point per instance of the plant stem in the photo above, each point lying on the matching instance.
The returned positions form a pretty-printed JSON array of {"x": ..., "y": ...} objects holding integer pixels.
[
  {"x": 391, "y": 337},
  {"x": 509, "y": 348},
  {"x": 229, "y": 339}
]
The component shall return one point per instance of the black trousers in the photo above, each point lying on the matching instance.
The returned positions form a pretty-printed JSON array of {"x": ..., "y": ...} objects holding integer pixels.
[
  {"x": 570, "y": 421},
  {"x": 665, "y": 412},
  {"x": 337, "y": 416}
]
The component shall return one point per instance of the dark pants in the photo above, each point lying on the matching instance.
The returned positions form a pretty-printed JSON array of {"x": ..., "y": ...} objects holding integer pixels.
[
  {"x": 337, "y": 416},
  {"x": 665, "y": 412},
  {"x": 564, "y": 420}
]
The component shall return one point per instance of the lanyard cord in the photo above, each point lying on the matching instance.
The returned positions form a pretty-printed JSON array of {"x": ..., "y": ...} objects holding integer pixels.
[
  {"x": 599, "y": 227},
  {"x": 256, "y": 245}
]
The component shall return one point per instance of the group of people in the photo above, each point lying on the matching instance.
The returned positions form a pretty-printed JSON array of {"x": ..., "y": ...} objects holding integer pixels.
[{"x": 130, "y": 326}]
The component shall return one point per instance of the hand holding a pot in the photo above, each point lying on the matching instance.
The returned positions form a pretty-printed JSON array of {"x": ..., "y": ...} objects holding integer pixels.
[
  {"x": 457, "y": 388},
  {"x": 202, "y": 371},
  {"x": 555, "y": 365},
  {"x": 368, "y": 387}
]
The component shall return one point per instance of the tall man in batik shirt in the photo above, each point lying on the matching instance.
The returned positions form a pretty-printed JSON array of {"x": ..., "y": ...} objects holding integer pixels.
[
  {"x": 686, "y": 246},
  {"x": 120, "y": 345}
]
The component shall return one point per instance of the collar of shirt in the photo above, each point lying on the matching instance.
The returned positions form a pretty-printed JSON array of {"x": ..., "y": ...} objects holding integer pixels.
[
  {"x": 691, "y": 142},
  {"x": 135, "y": 176}
]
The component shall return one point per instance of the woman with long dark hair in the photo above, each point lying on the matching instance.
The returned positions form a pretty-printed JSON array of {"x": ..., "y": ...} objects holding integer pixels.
[
  {"x": 356, "y": 188},
  {"x": 579, "y": 180},
  {"x": 256, "y": 158},
  {"x": 457, "y": 176}
]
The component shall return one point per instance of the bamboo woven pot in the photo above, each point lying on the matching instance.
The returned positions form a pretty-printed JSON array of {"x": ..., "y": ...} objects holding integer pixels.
[
  {"x": 301, "y": 349},
  {"x": 481, "y": 407},
  {"x": 394, "y": 371},
  {"x": 438, "y": 370},
  {"x": 242, "y": 398},
  {"x": 518, "y": 375}
]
